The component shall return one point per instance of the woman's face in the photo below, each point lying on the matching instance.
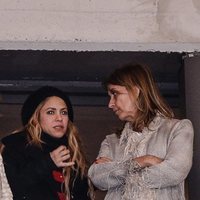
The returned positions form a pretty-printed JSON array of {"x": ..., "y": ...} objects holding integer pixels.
[
  {"x": 54, "y": 117},
  {"x": 122, "y": 103}
]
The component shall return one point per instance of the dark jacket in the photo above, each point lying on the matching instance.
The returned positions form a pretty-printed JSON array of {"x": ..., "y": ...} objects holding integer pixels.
[{"x": 29, "y": 169}]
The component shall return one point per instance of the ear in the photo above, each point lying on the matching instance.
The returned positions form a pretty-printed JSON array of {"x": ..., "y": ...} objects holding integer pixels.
[{"x": 136, "y": 91}]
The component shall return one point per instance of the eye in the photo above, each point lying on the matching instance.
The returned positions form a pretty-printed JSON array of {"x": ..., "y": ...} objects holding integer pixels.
[
  {"x": 50, "y": 112},
  {"x": 114, "y": 94},
  {"x": 64, "y": 112}
]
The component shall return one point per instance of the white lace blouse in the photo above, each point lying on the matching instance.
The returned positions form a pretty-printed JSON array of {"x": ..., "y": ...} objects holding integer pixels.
[{"x": 169, "y": 139}]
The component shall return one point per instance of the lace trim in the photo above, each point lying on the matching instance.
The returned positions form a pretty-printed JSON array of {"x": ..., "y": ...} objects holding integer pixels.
[{"x": 135, "y": 187}]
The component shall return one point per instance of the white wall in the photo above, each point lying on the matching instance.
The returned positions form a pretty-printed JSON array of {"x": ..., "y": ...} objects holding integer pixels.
[{"x": 103, "y": 25}]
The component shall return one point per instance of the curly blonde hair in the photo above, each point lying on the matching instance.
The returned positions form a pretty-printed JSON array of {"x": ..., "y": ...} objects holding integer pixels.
[{"x": 75, "y": 146}]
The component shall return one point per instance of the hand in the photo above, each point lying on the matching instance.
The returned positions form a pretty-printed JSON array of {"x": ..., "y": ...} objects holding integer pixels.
[
  {"x": 60, "y": 157},
  {"x": 102, "y": 160},
  {"x": 148, "y": 160}
]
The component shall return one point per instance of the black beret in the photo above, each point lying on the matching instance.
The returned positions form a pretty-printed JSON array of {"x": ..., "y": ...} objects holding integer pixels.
[{"x": 35, "y": 98}]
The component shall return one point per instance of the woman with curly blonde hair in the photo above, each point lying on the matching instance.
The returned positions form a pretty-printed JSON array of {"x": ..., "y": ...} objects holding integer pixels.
[{"x": 46, "y": 159}]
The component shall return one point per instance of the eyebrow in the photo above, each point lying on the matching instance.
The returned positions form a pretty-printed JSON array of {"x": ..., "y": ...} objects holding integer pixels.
[
  {"x": 52, "y": 108},
  {"x": 113, "y": 90}
]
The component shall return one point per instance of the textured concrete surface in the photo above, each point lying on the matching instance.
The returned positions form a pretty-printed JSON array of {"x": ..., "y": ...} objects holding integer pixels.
[{"x": 94, "y": 21}]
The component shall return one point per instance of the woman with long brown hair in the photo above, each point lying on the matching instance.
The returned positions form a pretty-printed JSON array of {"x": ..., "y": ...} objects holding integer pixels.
[
  {"x": 46, "y": 159},
  {"x": 151, "y": 156}
]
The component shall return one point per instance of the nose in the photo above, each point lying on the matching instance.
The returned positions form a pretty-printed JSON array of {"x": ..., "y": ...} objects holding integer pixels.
[
  {"x": 59, "y": 117},
  {"x": 111, "y": 102}
]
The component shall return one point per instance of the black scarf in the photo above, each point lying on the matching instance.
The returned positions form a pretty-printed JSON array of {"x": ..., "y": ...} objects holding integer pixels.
[{"x": 51, "y": 143}]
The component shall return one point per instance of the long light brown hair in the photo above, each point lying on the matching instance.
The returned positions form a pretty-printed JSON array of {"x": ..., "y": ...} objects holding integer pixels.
[
  {"x": 75, "y": 146},
  {"x": 150, "y": 101}
]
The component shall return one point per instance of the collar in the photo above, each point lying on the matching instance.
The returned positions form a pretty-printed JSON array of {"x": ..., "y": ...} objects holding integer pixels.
[
  {"x": 52, "y": 142},
  {"x": 128, "y": 132}
]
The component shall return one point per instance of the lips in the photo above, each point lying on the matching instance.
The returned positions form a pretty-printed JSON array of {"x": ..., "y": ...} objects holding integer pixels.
[
  {"x": 116, "y": 111},
  {"x": 58, "y": 127}
]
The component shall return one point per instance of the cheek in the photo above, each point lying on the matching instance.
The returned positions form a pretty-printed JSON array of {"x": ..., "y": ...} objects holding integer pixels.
[
  {"x": 44, "y": 122},
  {"x": 130, "y": 106},
  {"x": 65, "y": 121},
  {"x": 125, "y": 102},
  {"x": 132, "y": 103}
]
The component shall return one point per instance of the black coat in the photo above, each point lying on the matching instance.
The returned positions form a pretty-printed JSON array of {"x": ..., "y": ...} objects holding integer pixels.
[{"x": 29, "y": 169}]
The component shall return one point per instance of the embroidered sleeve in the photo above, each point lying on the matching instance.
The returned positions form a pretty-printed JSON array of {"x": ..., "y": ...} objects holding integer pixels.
[
  {"x": 178, "y": 161},
  {"x": 112, "y": 174},
  {"x": 107, "y": 175},
  {"x": 132, "y": 166}
]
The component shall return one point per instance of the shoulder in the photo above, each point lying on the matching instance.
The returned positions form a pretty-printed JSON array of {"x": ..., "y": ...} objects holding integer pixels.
[
  {"x": 111, "y": 138},
  {"x": 176, "y": 126},
  {"x": 110, "y": 141},
  {"x": 185, "y": 125},
  {"x": 175, "y": 123},
  {"x": 14, "y": 139}
]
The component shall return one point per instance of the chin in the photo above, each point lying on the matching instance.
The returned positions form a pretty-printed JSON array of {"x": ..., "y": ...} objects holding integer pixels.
[
  {"x": 125, "y": 118},
  {"x": 122, "y": 118},
  {"x": 58, "y": 135}
]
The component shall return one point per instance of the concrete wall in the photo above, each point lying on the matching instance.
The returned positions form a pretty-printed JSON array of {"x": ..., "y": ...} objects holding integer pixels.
[{"x": 49, "y": 24}]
